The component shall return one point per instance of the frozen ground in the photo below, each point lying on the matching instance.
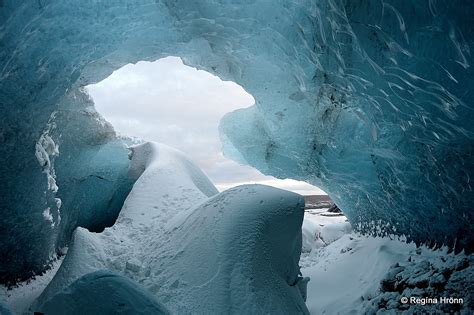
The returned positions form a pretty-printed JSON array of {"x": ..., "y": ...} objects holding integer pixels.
[{"x": 351, "y": 273}]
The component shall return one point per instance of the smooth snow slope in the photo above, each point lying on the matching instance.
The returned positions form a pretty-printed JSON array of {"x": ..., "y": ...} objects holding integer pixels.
[{"x": 234, "y": 252}]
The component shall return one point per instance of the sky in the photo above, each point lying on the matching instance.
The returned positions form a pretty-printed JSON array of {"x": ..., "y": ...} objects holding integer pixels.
[{"x": 168, "y": 102}]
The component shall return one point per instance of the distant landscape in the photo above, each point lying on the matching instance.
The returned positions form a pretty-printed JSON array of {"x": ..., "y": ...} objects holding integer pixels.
[{"x": 317, "y": 202}]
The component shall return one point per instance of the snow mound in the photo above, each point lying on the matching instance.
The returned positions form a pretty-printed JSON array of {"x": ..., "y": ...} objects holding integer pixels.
[
  {"x": 85, "y": 254},
  {"x": 237, "y": 251},
  {"x": 169, "y": 184},
  {"x": 320, "y": 230},
  {"x": 103, "y": 292},
  {"x": 335, "y": 231},
  {"x": 244, "y": 245}
]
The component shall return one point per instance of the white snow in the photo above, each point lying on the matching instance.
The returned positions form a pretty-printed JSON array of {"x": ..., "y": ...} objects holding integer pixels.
[
  {"x": 46, "y": 150},
  {"x": 333, "y": 232},
  {"x": 196, "y": 250},
  {"x": 134, "y": 265},
  {"x": 20, "y": 297},
  {"x": 48, "y": 216},
  {"x": 199, "y": 251},
  {"x": 320, "y": 230},
  {"x": 347, "y": 269},
  {"x": 346, "y": 272}
]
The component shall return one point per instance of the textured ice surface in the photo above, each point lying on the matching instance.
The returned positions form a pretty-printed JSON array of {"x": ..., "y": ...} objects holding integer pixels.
[
  {"x": 370, "y": 100},
  {"x": 79, "y": 178},
  {"x": 197, "y": 251},
  {"x": 103, "y": 292},
  {"x": 4, "y": 310},
  {"x": 375, "y": 108}
]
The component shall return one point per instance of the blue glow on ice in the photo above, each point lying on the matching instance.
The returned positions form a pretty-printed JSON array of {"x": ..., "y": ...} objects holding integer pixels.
[{"x": 369, "y": 100}]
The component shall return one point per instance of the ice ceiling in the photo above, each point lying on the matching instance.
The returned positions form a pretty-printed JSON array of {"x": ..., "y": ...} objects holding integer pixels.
[{"x": 369, "y": 100}]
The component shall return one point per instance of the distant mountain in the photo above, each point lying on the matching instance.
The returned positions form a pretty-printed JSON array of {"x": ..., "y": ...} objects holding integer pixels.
[{"x": 317, "y": 201}]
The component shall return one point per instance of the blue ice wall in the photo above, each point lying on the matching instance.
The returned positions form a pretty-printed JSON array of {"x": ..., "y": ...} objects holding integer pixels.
[
  {"x": 92, "y": 170},
  {"x": 56, "y": 152},
  {"x": 370, "y": 100},
  {"x": 80, "y": 178},
  {"x": 382, "y": 120}
]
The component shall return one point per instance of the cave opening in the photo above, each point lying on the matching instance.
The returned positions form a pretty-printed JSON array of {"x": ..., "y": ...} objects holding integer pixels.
[
  {"x": 370, "y": 100},
  {"x": 168, "y": 102}
]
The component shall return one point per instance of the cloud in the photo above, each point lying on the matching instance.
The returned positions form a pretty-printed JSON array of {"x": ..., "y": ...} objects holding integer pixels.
[{"x": 168, "y": 102}]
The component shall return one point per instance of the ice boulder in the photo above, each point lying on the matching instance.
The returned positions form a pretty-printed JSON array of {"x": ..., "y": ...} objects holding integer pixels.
[
  {"x": 196, "y": 251},
  {"x": 103, "y": 292}
]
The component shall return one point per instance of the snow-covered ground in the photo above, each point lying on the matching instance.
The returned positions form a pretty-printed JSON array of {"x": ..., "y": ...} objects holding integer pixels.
[
  {"x": 351, "y": 273},
  {"x": 346, "y": 271},
  {"x": 181, "y": 245},
  {"x": 321, "y": 228},
  {"x": 18, "y": 298}
]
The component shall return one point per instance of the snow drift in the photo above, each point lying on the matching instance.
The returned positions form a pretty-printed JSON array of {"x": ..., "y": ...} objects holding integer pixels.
[
  {"x": 196, "y": 251},
  {"x": 360, "y": 274}
]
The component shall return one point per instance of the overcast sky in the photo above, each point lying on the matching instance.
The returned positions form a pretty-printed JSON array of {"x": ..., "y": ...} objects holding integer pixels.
[{"x": 168, "y": 102}]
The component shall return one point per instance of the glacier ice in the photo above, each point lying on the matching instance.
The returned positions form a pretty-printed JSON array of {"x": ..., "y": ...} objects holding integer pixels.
[
  {"x": 4, "y": 310},
  {"x": 370, "y": 100},
  {"x": 196, "y": 251},
  {"x": 376, "y": 110},
  {"x": 79, "y": 177}
]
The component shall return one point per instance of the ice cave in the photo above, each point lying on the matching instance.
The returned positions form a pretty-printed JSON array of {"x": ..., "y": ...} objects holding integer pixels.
[{"x": 369, "y": 100}]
